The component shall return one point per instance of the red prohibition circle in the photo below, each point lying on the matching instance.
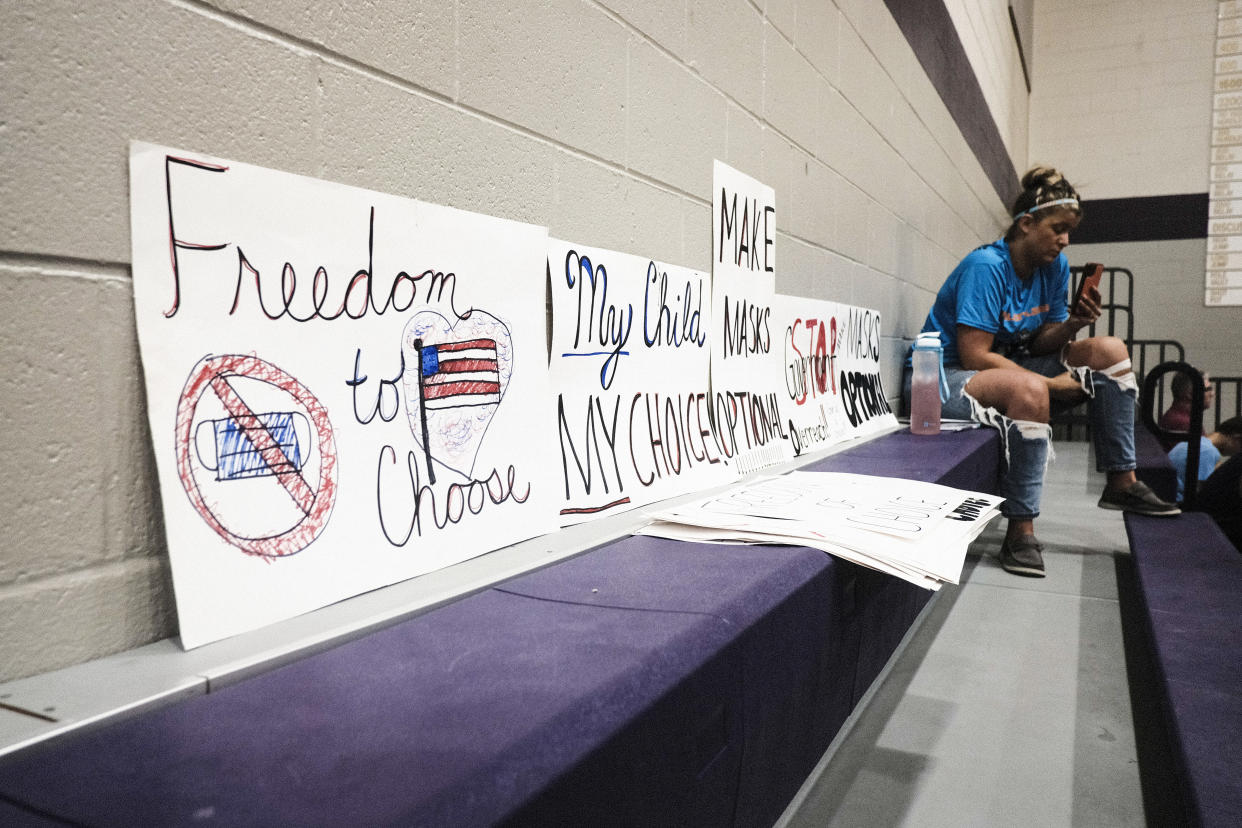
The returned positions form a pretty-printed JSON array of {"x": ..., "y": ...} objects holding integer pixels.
[{"x": 315, "y": 502}]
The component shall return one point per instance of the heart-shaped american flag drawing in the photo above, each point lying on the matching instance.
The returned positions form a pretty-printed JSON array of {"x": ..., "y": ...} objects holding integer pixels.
[{"x": 456, "y": 373}]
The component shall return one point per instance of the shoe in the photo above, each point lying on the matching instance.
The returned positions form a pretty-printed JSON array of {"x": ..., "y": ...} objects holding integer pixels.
[
  {"x": 1023, "y": 556},
  {"x": 1138, "y": 499}
]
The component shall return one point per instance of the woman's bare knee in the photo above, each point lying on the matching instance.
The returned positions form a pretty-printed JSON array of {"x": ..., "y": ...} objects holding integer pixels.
[
  {"x": 1097, "y": 352},
  {"x": 1029, "y": 400},
  {"x": 1019, "y": 395}
]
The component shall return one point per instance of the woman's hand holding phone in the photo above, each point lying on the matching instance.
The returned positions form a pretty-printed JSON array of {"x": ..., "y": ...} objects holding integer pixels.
[{"x": 1087, "y": 304}]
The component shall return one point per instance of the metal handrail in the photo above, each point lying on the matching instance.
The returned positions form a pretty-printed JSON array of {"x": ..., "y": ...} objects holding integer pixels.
[
  {"x": 1192, "y": 435},
  {"x": 1166, "y": 350},
  {"x": 1115, "y": 301},
  {"x": 1219, "y": 384}
]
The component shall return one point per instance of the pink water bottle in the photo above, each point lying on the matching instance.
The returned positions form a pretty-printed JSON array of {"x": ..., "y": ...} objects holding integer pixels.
[{"x": 926, "y": 383}]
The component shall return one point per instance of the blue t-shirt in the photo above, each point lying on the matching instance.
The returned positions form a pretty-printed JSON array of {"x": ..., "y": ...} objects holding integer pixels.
[
  {"x": 984, "y": 292},
  {"x": 1208, "y": 458}
]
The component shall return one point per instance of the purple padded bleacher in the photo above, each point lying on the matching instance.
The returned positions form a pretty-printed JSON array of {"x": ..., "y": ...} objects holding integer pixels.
[
  {"x": 1190, "y": 583},
  {"x": 643, "y": 682},
  {"x": 467, "y": 714},
  {"x": 965, "y": 459}
]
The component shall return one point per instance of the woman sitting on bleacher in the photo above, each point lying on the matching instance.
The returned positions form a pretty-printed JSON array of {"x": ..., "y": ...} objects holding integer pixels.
[{"x": 1010, "y": 357}]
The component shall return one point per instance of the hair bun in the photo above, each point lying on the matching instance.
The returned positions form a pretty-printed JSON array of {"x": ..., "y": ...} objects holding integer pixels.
[
  {"x": 1040, "y": 185},
  {"x": 1040, "y": 177}
]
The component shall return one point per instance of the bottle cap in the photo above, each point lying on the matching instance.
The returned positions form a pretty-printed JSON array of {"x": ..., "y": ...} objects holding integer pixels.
[{"x": 930, "y": 339}]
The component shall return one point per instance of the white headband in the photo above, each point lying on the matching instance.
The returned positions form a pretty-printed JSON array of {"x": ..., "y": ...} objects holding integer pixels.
[{"x": 1057, "y": 203}]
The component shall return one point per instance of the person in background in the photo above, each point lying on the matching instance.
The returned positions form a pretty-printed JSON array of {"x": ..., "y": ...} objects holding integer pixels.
[
  {"x": 1221, "y": 497},
  {"x": 1010, "y": 357},
  {"x": 1177, "y": 416},
  {"x": 1225, "y": 441}
]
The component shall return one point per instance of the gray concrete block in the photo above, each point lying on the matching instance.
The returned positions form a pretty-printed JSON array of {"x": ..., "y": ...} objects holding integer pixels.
[
  {"x": 588, "y": 202},
  {"x": 922, "y": 198},
  {"x": 875, "y": 290},
  {"x": 663, "y": 23},
  {"x": 879, "y": 31},
  {"x": 724, "y": 43},
  {"x": 416, "y": 42},
  {"x": 748, "y": 143},
  {"x": 818, "y": 35},
  {"x": 655, "y": 218},
  {"x": 923, "y": 270},
  {"x": 676, "y": 123},
  {"x": 168, "y": 75},
  {"x": 884, "y": 233},
  {"x": 845, "y": 134},
  {"x": 864, "y": 83},
  {"x": 795, "y": 96},
  {"x": 816, "y": 191},
  {"x": 836, "y": 281},
  {"x": 798, "y": 267},
  {"x": 67, "y": 619},
  {"x": 783, "y": 14},
  {"x": 696, "y": 235},
  {"x": 852, "y": 207},
  {"x": 390, "y": 139},
  {"x": 915, "y": 211},
  {"x": 79, "y": 488},
  {"x": 786, "y": 169},
  {"x": 553, "y": 68},
  {"x": 602, "y": 207},
  {"x": 915, "y": 305}
]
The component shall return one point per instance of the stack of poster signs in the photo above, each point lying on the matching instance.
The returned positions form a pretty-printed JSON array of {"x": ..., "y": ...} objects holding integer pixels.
[
  {"x": 347, "y": 389},
  {"x": 917, "y": 531}
]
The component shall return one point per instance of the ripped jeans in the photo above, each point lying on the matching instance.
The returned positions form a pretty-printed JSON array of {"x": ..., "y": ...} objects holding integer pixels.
[{"x": 1028, "y": 445}]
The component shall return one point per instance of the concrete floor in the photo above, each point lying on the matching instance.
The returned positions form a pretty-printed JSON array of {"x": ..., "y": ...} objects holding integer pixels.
[{"x": 1010, "y": 705}]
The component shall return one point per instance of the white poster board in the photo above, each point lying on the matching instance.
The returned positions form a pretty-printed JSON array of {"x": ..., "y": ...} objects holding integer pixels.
[
  {"x": 746, "y": 369},
  {"x": 629, "y": 368},
  {"x": 345, "y": 388},
  {"x": 832, "y": 386}
]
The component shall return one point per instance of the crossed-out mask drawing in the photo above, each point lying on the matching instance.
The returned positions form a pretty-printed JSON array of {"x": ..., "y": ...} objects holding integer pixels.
[{"x": 256, "y": 455}]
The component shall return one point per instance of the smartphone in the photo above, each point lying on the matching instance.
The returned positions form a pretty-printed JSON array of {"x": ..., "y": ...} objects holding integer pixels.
[{"x": 1092, "y": 272}]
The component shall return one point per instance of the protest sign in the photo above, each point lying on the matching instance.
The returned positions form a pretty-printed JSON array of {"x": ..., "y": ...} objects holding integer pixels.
[
  {"x": 629, "y": 368},
  {"x": 832, "y": 388},
  {"x": 345, "y": 388},
  {"x": 746, "y": 367}
]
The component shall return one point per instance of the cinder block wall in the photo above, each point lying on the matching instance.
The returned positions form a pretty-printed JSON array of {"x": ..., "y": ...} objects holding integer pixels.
[
  {"x": 1122, "y": 101},
  {"x": 597, "y": 118},
  {"x": 1125, "y": 94},
  {"x": 986, "y": 32}
]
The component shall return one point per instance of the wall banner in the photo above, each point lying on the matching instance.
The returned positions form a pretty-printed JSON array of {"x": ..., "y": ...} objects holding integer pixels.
[{"x": 1222, "y": 279}]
